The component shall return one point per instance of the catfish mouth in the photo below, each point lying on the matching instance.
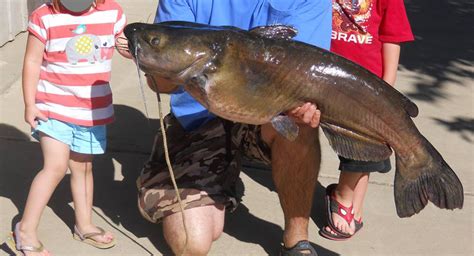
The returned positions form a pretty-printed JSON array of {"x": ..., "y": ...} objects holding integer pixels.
[
  {"x": 148, "y": 60},
  {"x": 151, "y": 65}
]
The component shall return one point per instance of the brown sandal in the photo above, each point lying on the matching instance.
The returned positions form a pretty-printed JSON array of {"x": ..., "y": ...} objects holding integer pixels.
[{"x": 87, "y": 238}]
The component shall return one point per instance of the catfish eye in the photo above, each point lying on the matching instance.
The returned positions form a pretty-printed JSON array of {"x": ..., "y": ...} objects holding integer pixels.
[{"x": 155, "y": 41}]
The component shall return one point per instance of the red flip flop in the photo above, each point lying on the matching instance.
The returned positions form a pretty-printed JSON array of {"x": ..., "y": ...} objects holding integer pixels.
[{"x": 347, "y": 213}]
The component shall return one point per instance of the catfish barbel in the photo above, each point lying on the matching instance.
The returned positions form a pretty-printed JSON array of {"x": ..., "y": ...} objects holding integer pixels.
[{"x": 253, "y": 76}]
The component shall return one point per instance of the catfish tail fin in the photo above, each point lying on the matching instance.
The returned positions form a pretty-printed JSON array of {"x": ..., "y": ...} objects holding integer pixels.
[{"x": 425, "y": 177}]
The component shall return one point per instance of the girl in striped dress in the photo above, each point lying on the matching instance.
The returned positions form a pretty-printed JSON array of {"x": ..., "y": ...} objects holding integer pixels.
[{"x": 68, "y": 102}]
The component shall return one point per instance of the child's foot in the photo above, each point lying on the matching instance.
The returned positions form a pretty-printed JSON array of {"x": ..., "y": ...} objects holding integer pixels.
[
  {"x": 94, "y": 236},
  {"x": 342, "y": 213},
  {"x": 343, "y": 220},
  {"x": 341, "y": 224},
  {"x": 28, "y": 243}
]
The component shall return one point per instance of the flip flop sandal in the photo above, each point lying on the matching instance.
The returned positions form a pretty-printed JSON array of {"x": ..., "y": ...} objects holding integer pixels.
[
  {"x": 333, "y": 206},
  {"x": 87, "y": 238},
  {"x": 358, "y": 225},
  {"x": 337, "y": 237},
  {"x": 299, "y": 249},
  {"x": 17, "y": 247}
]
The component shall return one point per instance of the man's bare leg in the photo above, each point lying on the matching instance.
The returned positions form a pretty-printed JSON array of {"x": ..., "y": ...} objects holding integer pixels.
[
  {"x": 204, "y": 225},
  {"x": 295, "y": 168}
]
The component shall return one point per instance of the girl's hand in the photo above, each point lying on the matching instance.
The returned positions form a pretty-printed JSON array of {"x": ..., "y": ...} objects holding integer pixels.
[
  {"x": 32, "y": 115},
  {"x": 121, "y": 45}
]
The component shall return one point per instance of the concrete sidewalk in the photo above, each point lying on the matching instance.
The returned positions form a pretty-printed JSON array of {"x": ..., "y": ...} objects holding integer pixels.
[{"x": 438, "y": 78}]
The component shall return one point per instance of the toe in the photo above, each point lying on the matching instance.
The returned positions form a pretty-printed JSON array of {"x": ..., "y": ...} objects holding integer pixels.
[{"x": 109, "y": 236}]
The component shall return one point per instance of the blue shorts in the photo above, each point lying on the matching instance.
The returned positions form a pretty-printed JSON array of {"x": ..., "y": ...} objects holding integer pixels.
[{"x": 81, "y": 139}]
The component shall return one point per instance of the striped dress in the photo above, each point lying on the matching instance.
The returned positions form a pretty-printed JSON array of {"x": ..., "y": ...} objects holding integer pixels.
[{"x": 74, "y": 80}]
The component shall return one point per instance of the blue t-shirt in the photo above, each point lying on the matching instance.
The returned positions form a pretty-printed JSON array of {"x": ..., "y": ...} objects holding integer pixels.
[{"x": 312, "y": 19}]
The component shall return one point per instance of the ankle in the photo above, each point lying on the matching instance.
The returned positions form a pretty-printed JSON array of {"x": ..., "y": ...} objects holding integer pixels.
[
  {"x": 291, "y": 240},
  {"x": 84, "y": 226},
  {"x": 343, "y": 198},
  {"x": 27, "y": 237},
  {"x": 26, "y": 229}
]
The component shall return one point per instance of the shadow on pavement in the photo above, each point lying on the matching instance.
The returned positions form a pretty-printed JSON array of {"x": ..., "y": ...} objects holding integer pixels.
[
  {"x": 129, "y": 142},
  {"x": 130, "y": 139},
  {"x": 21, "y": 160},
  {"x": 462, "y": 125},
  {"x": 262, "y": 175},
  {"x": 443, "y": 45},
  {"x": 268, "y": 235},
  {"x": 116, "y": 197}
]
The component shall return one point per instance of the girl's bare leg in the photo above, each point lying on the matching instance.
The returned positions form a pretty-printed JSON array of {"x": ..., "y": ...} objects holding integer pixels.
[
  {"x": 55, "y": 155},
  {"x": 82, "y": 188}
]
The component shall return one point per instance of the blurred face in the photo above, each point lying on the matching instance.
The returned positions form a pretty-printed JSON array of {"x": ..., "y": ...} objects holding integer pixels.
[{"x": 77, "y": 5}]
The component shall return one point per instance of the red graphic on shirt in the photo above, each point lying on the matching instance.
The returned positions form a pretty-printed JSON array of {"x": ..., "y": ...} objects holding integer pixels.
[{"x": 351, "y": 15}]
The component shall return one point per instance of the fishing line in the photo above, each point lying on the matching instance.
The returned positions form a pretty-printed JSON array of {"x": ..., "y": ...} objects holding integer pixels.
[
  {"x": 168, "y": 162},
  {"x": 120, "y": 231},
  {"x": 165, "y": 145},
  {"x": 140, "y": 82}
]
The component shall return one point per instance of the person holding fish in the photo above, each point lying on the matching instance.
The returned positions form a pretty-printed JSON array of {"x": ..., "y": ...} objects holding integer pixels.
[
  {"x": 368, "y": 32},
  {"x": 251, "y": 77},
  {"x": 207, "y": 151},
  {"x": 68, "y": 102}
]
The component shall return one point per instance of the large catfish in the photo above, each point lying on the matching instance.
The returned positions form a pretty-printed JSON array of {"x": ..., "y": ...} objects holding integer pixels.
[{"x": 253, "y": 76}]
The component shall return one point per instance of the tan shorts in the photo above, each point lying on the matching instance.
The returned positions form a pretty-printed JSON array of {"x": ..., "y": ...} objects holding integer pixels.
[{"x": 206, "y": 163}]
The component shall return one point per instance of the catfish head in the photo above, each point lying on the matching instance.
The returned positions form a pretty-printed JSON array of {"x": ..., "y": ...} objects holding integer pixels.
[{"x": 177, "y": 51}]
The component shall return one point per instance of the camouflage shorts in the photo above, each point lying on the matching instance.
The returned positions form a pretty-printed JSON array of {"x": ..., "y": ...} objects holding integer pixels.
[{"x": 206, "y": 163}]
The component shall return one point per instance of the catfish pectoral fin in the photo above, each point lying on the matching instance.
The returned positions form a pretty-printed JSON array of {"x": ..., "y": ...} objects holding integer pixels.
[
  {"x": 286, "y": 127},
  {"x": 355, "y": 146},
  {"x": 433, "y": 180}
]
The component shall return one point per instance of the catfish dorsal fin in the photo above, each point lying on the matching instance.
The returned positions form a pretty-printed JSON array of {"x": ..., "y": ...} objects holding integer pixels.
[{"x": 275, "y": 32}]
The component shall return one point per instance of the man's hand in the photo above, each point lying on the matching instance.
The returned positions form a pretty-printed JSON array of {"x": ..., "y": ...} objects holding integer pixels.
[{"x": 308, "y": 114}]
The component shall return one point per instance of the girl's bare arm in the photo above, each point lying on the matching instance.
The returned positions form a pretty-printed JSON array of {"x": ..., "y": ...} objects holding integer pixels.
[{"x": 30, "y": 77}]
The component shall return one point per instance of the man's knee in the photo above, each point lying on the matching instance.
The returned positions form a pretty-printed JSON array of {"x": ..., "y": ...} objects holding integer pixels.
[
  {"x": 195, "y": 247},
  {"x": 204, "y": 225},
  {"x": 218, "y": 227},
  {"x": 188, "y": 243}
]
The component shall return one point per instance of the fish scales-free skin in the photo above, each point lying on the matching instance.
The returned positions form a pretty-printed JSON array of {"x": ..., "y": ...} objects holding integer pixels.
[{"x": 253, "y": 76}]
